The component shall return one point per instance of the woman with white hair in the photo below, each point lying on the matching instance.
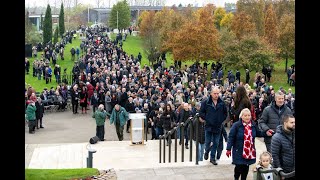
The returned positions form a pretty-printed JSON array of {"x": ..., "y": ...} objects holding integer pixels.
[
  {"x": 100, "y": 116},
  {"x": 242, "y": 143}
]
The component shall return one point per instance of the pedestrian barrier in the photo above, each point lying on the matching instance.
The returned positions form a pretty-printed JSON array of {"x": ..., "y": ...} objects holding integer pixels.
[{"x": 182, "y": 125}]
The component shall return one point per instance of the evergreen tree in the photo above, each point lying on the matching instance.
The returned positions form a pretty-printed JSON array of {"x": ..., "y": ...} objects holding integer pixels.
[
  {"x": 47, "y": 26},
  {"x": 41, "y": 22},
  {"x": 123, "y": 10},
  {"x": 61, "y": 21},
  {"x": 56, "y": 35}
]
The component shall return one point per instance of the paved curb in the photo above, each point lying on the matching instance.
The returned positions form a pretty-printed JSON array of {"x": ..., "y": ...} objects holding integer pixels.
[{"x": 109, "y": 174}]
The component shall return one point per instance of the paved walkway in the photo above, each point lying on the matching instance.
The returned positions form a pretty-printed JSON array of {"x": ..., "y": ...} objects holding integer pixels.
[{"x": 62, "y": 144}]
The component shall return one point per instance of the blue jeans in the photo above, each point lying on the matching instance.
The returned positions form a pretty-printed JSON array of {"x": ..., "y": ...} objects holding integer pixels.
[
  {"x": 201, "y": 150},
  {"x": 214, "y": 138},
  {"x": 220, "y": 148},
  {"x": 159, "y": 131},
  {"x": 185, "y": 134}
]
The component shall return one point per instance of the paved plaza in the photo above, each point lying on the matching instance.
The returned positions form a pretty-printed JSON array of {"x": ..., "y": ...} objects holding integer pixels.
[{"x": 64, "y": 140}]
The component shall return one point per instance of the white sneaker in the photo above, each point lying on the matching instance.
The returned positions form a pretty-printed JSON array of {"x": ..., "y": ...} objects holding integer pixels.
[{"x": 217, "y": 160}]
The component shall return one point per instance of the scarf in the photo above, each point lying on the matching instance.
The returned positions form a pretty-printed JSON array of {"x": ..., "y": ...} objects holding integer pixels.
[{"x": 248, "y": 148}]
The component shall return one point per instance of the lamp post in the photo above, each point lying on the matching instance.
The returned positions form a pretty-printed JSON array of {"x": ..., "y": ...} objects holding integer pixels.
[{"x": 88, "y": 15}]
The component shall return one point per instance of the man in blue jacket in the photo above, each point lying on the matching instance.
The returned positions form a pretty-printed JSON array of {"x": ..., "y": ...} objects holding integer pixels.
[{"x": 213, "y": 111}]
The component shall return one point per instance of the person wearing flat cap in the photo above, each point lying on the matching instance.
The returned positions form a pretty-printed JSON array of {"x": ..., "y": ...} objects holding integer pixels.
[{"x": 31, "y": 116}]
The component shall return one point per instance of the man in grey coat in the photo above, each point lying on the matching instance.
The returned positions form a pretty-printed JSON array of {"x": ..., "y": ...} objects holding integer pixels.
[
  {"x": 272, "y": 117},
  {"x": 283, "y": 145}
]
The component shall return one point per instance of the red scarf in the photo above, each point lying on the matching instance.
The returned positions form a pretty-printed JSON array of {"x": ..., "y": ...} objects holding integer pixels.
[{"x": 248, "y": 149}]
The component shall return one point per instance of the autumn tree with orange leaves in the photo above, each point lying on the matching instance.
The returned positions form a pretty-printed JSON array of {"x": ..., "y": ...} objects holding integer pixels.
[
  {"x": 167, "y": 21},
  {"x": 242, "y": 25},
  {"x": 271, "y": 32},
  {"x": 150, "y": 35},
  {"x": 197, "y": 40}
]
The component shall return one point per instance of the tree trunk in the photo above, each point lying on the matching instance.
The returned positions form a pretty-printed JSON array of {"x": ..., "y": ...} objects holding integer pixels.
[{"x": 286, "y": 67}]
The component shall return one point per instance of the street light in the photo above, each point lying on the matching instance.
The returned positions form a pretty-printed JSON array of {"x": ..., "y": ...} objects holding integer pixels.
[{"x": 88, "y": 15}]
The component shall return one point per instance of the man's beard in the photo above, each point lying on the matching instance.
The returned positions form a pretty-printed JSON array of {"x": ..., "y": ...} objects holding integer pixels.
[{"x": 291, "y": 129}]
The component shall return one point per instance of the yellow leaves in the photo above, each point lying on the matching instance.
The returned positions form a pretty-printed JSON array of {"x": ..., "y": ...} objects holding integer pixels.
[
  {"x": 227, "y": 20},
  {"x": 218, "y": 15}
]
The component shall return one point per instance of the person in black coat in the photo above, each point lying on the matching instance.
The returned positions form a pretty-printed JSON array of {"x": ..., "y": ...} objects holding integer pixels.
[
  {"x": 247, "y": 76},
  {"x": 39, "y": 113},
  {"x": 201, "y": 131},
  {"x": 241, "y": 101},
  {"x": 238, "y": 76},
  {"x": 94, "y": 101},
  {"x": 184, "y": 114},
  {"x": 168, "y": 119},
  {"x": 242, "y": 143},
  {"x": 283, "y": 145},
  {"x": 272, "y": 117},
  {"x": 129, "y": 106},
  {"x": 75, "y": 99}
]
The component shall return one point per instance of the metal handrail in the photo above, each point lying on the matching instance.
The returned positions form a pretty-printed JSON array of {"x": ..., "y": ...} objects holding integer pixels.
[
  {"x": 175, "y": 128},
  {"x": 174, "y": 131},
  {"x": 278, "y": 171}
]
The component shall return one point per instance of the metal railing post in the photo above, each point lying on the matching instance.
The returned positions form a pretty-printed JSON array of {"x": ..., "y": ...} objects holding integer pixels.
[
  {"x": 169, "y": 141},
  {"x": 191, "y": 138},
  {"x": 164, "y": 149},
  {"x": 160, "y": 149},
  {"x": 175, "y": 144},
  {"x": 182, "y": 141},
  {"x": 197, "y": 141},
  {"x": 146, "y": 130}
]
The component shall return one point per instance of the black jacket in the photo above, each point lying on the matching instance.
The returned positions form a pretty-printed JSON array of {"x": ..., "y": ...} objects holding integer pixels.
[
  {"x": 167, "y": 121},
  {"x": 283, "y": 149},
  {"x": 74, "y": 96},
  {"x": 201, "y": 132},
  {"x": 40, "y": 110},
  {"x": 130, "y": 107},
  {"x": 271, "y": 117}
]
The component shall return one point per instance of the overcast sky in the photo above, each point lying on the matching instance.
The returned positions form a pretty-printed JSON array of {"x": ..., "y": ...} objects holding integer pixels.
[{"x": 219, "y": 3}]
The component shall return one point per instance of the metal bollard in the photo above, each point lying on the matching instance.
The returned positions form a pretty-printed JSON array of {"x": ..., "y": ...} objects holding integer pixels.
[{"x": 90, "y": 156}]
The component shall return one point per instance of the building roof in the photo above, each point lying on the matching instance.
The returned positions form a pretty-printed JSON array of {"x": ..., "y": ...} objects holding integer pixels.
[
  {"x": 41, "y": 10},
  {"x": 43, "y": 15}
]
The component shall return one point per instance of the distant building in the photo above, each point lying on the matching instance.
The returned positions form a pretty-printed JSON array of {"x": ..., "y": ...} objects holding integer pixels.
[
  {"x": 230, "y": 7},
  {"x": 35, "y": 13},
  {"x": 101, "y": 15}
]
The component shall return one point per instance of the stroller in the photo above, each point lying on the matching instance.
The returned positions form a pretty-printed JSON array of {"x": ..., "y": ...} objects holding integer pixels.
[{"x": 277, "y": 174}]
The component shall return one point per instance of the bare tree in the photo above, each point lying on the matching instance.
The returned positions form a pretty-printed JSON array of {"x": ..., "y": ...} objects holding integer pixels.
[
  {"x": 98, "y": 3},
  {"x": 131, "y": 2},
  {"x": 75, "y": 3}
]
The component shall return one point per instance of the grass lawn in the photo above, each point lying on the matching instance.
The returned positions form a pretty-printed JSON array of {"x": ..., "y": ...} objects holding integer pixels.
[
  {"x": 59, "y": 174},
  {"x": 39, "y": 85},
  {"x": 133, "y": 45}
]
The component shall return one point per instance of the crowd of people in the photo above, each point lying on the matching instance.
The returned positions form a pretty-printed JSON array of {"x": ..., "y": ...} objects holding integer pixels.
[{"x": 115, "y": 83}]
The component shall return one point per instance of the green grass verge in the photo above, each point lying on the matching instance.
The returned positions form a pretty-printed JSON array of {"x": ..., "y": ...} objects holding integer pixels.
[
  {"x": 59, "y": 174},
  {"x": 39, "y": 85}
]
